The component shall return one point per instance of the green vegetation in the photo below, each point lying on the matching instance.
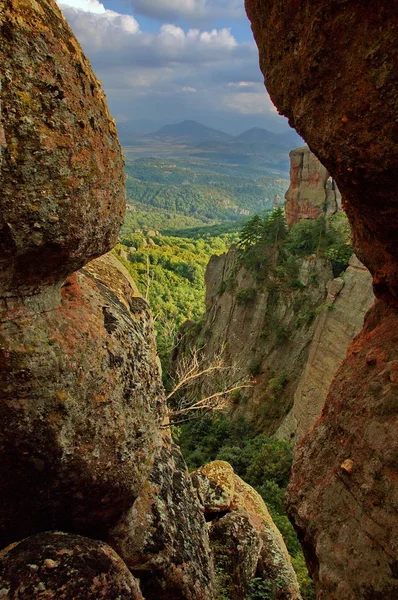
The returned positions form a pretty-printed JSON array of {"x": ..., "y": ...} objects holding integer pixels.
[
  {"x": 261, "y": 461},
  {"x": 262, "y": 238},
  {"x": 169, "y": 271},
  {"x": 170, "y": 194}
]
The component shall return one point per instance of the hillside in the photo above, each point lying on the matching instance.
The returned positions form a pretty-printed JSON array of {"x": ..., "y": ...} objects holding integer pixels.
[{"x": 180, "y": 193}]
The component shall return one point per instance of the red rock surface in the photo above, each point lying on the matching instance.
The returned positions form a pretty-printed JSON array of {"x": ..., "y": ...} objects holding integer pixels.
[
  {"x": 343, "y": 496},
  {"x": 59, "y": 566},
  {"x": 62, "y": 177},
  {"x": 310, "y": 193},
  {"x": 331, "y": 67},
  {"x": 81, "y": 403}
]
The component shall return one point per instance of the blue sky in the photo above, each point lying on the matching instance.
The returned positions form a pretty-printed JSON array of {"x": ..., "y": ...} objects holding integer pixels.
[{"x": 162, "y": 61}]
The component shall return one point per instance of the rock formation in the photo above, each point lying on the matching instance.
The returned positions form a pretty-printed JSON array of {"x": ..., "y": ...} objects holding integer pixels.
[
  {"x": 244, "y": 539},
  {"x": 63, "y": 197},
  {"x": 81, "y": 399},
  {"x": 264, "y": 337},
  {"x": 163, "y": 538},
  {"x": 343, "y": 100},
  {"x": 348, "y": 300},
  {"x": 311, "y": 192},
  {"x": 63, "y": 566}
]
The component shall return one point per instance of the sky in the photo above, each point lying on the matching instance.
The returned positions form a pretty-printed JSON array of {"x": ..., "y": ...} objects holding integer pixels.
[{"x": 164, "y": 61}]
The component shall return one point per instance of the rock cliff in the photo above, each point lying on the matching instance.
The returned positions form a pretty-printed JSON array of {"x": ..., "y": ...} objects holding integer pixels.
[
  {"x": 81, "y": 399},
  {"x": 264, "y": 337},
  {"x": 348, "y": 300},
  {"x": 343, "y": 493},
  {"x": 287, "y": 333},
  {"x": 311, "y": 192}
]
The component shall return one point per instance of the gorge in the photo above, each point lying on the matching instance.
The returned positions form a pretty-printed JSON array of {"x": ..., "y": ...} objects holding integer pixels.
[{"x": 96, "y": 499}]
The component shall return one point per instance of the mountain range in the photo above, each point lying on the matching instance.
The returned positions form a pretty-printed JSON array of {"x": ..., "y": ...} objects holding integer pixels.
[{"x": 254, "y": 147}]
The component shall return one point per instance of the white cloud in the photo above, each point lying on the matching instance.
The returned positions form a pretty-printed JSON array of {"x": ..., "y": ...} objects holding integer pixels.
[
  {"x": 249, "y": 103},
  {"x": 173, "y": 71}
]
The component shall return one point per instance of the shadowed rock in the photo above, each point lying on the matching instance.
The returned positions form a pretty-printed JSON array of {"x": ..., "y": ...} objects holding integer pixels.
[
  {"x": 61, "y": 566},
  {"x": 163, "y": 538},
  {"x": 81, "y": 402},
  {"x": 244, "y": 539}
]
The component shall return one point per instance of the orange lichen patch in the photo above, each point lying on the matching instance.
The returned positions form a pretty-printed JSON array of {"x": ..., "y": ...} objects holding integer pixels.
[{"x": 347, "y": 466}]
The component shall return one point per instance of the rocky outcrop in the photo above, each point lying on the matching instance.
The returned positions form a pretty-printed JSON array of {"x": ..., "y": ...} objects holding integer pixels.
[
  {"x": 163, "y": 538},
  {"x": 342, "y": 496},
  {"x": 349, "y": 298},
  {"x": 343, "y": 493},
  {"x": 311, "y": 192},
  {"x": 62, "y": 189},
  {"x": 63, "y": 566},
  {"x": 262, "y": 330},
  {"x": 244, "y": 539},
  {"x": 348, "y": 121},
  {"x": 81, "y": 399}
]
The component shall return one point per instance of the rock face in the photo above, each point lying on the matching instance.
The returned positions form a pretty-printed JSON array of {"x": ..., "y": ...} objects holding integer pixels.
[
  {"x": 349, "y": 298},
  {"x": 63, "y": 197},
  {"x": 81, "y": 401},
  {"x": 343, "y": 494},
  {"x": 163, "y": 538},
  {"x": 348, "y": 121},
  {"x": 311, "y": 192},
  {"x": 244, "y": 539},
  {"x": 264, "y": 338},
  {"x": 64, "y": 567}
]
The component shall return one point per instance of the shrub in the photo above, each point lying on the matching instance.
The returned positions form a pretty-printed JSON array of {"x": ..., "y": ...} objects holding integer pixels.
[
  {"x": 246, "y": 295},
  {"x": 255, "y": 368}
]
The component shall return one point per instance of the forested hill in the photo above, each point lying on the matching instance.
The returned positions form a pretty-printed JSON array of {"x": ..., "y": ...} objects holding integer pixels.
[{"x": 176, "y": 194}]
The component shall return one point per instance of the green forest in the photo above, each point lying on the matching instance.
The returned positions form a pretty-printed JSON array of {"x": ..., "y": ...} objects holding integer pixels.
[{"x": 173, "y": 194}]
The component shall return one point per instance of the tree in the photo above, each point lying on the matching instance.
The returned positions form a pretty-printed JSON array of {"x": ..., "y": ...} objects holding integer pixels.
[{"x": 185, "y": 400}]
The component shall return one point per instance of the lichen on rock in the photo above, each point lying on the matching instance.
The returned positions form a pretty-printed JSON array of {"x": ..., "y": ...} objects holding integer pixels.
[{"x": 62, "y": 566}]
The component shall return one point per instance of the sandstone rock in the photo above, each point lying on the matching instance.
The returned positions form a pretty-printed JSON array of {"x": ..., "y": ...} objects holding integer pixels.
[
  {"x": 349, "y": 122},
  {"x": 64, "y": 567},
  {"x": 236, "y": 549},
  {"x": 343, "y": 494},
  {"x": 310, "y": 194},
  {"x": 215, "y": 486},
  {"x": 347, "y": 520},
  {"x": 261, "y": 335},
  {"x": 163, "y": 538},
  {"x": 62, "y": 178},
  {"x": 348, "y": 300},
  {"x": 81, "y": 404},
  {"x": 249, "y": 520}
]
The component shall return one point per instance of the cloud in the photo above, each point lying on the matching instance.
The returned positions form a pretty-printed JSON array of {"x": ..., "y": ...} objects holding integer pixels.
[
  {"x": 194, "y": 10},
  {"x": 171, "y": 73}
]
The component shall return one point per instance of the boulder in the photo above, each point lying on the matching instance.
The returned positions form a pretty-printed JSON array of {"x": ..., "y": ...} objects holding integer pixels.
[
  {"x": 236, "y": 550},
  {"x": 64, "y": 567},
  {"x": 163, "y": 538},
  {"x": 81, "y": 405},
  {"x": 61, "y": 168},
  {"x": 243, "y": 515}
]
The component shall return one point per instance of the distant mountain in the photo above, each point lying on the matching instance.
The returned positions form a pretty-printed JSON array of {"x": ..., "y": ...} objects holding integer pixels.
[
  {"x": 190, "y": 132},
  {"x": 257, "y": 135}
]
